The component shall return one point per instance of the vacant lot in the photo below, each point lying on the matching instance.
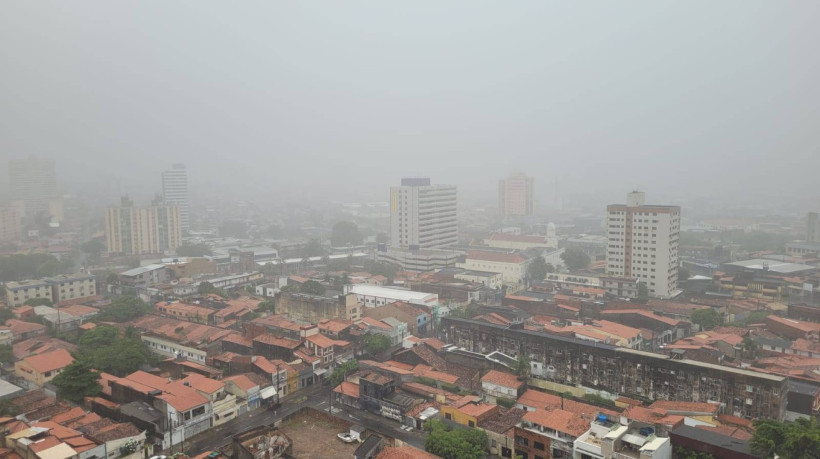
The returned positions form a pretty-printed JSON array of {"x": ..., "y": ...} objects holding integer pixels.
[{"x": 315, "y": 437}]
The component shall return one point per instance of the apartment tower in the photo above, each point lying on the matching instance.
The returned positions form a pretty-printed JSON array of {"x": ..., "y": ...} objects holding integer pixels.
[
  {"x": 175, "y": 192},
  {"x": 516, "y": 196},
  {"x": 642, "y": 244},
  {"x": 813, "y": 227},
  {"x": 423, "y": 215},
  {"x": 131, "y": 230}
]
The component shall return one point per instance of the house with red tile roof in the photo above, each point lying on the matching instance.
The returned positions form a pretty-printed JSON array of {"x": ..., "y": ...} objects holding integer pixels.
[
  {"x": 42, "y": 368},
  {"x": 496, "y": 384},
  {"x": 21, "y": 330}
]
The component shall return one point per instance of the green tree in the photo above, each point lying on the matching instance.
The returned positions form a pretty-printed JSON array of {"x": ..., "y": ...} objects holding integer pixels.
[
  {"x": 39, "y": 302},
  {"x": 193, "y": 250},
  {"x": 312, "y": 287},
  {"x": 339, "y": 373},
  {"x": 312, "y": 249},
  {"x": 103, "y": 349},
  {"x": 375, "y": 343},
  {"x": 575, "y": 259},
  {"x": 112, "y": 278},
  {"x": 378, "y": 268},
  {"x": 455, "y": 444},
  {"x": 77, "y": 381},
  {"x": 267, "y": 306},
  {"x": 749, "y": 347},
  {"x": 683, "y": 453},
  {"x": 795, "y": 440},
  {"x": 5, "y": 314},
  {"x": 93, "y": 247},
  {"x": 123, "y": 309},
  {"x": 643, "y": 293},
  {"x": 345, "y": 233},
  {"x": 537, "y": 270},
  {"x": 521, "y": 367},
  {"x": 27, "y": 266},
  {"x": 6, "y": 354},
  {"x": 707, "y": 318},
  {"x": 8, "y": 408}
]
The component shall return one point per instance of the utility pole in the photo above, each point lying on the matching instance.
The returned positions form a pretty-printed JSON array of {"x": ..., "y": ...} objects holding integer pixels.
[{"x": 278, "y": 387}]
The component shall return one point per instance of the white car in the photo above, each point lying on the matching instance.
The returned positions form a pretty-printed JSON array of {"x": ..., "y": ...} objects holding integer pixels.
[{"x": 347, "y": 438}]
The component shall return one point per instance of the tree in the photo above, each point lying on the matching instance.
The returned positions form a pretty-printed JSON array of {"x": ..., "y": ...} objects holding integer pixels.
[
  {"x": 312, "y": 249},
  {"x": 643, "y": 293},
  {"x": 575, "y": 259},
  {"x": 5, "y": 314},
  {"x": 521, "y": 367},
  {"x": 193, "y": 250},
  {"x": 267, "y": 306},
  {"x": 795, "y": 440},
  {"x": 375, "y": 343},
  {"x": 8, "y": 408},
  {"x": 455, "y": 444},
  {"x": 749, "y": 347},
  {"x": 683, "y": 453},
  {"x": 6, "y": 354},
  {"x": 707, "y": 318},
  {"x": 102, "y": 349},
  {"x": 123, "y": 309},
  {"x": 112, "y": 279},
  {"x": 312, "y": 287},
  {"x": 550, "y": 268},
  {"x": 537, "y": 271},
  {"x": 27, "y": 266},
  {"x": 39, "y": 302},
  {"x": 345, "y": 233},
  {"x": 77, "y": 381},
  {"x": 341, "y": 371}
]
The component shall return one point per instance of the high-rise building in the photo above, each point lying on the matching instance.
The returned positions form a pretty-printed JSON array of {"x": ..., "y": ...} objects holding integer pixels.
[
  {"x": 516, "y": 196},
  {"x": 10, "y": 224},
  {"x": 813, "y": 227},
  {"x": 33, "y": 181},
  {"x": 423, "y": 215},
  {"x": 643, "y": 243},
  {"x": 175, "y": 191},
  {"x": 131, "y": 230}
]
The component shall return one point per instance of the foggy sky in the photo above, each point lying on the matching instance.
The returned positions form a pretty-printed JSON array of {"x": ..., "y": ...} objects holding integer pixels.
[{"x": 293, "y": 99}]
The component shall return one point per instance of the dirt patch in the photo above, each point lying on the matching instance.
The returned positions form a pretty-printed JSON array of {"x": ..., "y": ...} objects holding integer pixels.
[{"x": 315, "y": 436}]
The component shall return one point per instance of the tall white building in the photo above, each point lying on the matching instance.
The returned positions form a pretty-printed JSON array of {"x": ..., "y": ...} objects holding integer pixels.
[
  {"x": 516, "y": 196},
  {"x": 642, "y": 243},
  {"x": 423, "y": 215},
  {"x": 130, "y": 230},
  {"x": 175, "y": 191}
]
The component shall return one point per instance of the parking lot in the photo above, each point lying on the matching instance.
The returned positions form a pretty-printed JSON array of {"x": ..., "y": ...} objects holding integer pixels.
[{"x": 316, "y": 437}]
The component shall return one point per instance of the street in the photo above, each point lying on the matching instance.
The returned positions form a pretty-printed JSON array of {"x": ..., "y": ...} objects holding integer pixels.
[{"x": 316, "y": 397}]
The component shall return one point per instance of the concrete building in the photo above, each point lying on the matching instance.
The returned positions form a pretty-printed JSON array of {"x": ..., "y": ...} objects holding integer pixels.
[
  {"x": 11, "y": 228},
  {"x": 418, "y": 260},
  {"x": 33, "y": 181},
  {"x": 314, "y": 308},
  {"x": 145, "y": 276},
  {"x": 423, "y": 215},
  {"x": 516, "y": 196},
  {"x": 372, "y": 296},
  {"x": 175, "y": 192},
  {"x": 511, "y": 266},
  {"x": 813, "y": 227},
  {"x": 42, "y": 368},
  {"x": 488, "y": 279},
  {"x": 520, "y": 242},
  {"x": 643, "y": 244},
  {"x": 131, "y": 230},
  {"x": 607, "y": 439},
  {"x": 55, "y": 289}
]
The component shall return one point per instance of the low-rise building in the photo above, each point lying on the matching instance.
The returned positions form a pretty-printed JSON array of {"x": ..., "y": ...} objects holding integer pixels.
[
  {"x": 55, "y": 289},
  {"x": 418, "y": 260},
  {"x": 21, "y": 330},
  {"x": 486, "y": 278},
  {"x": 417, "y": 320},
  {"x": 42, "y": 368},
  {"x": 145, "y": 276},
  {"x": 468, "y": 411},
  {"x": 607, "y": 439},
  {"x": 372, "y": 296},
  {"x": 496, "y": 384},
  {"x": 512, "y": 266},
  {"x": 314, "y": 308}
]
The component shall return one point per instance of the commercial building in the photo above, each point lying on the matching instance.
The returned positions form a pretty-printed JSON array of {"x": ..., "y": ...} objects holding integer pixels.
[
  {"x": 55, "y": 289},
  {"x": 423, "y": 215},
  {"x": 33, "y": 182},
  {"x": 315, "y": 308},
  {"x": 418, "y": 260},
  {"x": 175, "y": 192},
  {"x": 372, "y": 296},
  {"x": 488, "y": 279},
  {"x": 520, "y": 242},
  {"x": 131, "y": 230},
  {"x": 512, "y": 266},
  {"x": 516, "y": 196},
  {"x": 643, "y": 244}
]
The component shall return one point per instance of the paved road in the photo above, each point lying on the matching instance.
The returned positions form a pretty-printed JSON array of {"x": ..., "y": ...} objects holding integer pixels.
[{"x": 317, "y": 397}]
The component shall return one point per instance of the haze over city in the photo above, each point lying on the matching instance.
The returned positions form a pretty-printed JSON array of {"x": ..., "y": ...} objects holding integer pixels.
[
  {"x": 296, "y": 100},
  {"x": 409, "y": 230}
]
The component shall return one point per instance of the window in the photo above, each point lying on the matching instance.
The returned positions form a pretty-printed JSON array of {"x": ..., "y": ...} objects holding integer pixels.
[
  {"x": 471, "y": 423},
  {"x": 448, "y": 416},
  {"x": 538, "y": 445}
]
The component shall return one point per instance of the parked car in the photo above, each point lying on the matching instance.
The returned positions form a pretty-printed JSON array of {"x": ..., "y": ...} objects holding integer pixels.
[{"x": 347, "y": 438}]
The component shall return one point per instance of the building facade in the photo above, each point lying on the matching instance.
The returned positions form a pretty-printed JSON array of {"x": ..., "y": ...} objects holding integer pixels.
[
  {"x": 175, "y": 192},
  {"x": 643, "y": 244},
  {"x": 423, "y": 215},
  {"x": 516, "y": 196},
  {"x": 131, "y": 230},
  {"x": 813, "y": 227},
  {"x": 11, "y": 228}
]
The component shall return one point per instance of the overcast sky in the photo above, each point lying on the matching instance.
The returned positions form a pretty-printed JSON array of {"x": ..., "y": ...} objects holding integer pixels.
[{"x": 343, "y": 97}]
